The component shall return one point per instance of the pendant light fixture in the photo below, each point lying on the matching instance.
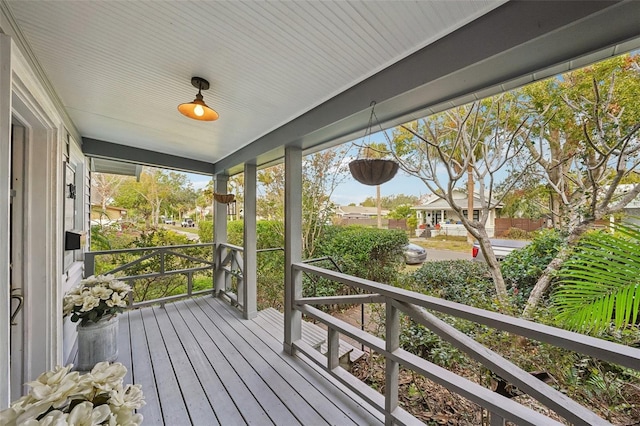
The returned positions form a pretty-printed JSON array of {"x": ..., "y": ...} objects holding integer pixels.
[{"x": 197, "y": 109}]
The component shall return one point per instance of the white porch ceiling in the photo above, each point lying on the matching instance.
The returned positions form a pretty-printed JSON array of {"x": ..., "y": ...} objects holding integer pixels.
[
  {"x": 121, "y": 68},
  {"x": 293, "y": 72}
]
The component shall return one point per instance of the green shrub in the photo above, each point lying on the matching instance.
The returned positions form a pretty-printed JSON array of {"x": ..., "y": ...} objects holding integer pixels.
[
  {"x": 522, "y": 268},
  {"x": 517, "y": 234},
  {"x": 374, "y": 254},
  {"x": 205, "y": 231},
  {"x": 461, "y": 281}
]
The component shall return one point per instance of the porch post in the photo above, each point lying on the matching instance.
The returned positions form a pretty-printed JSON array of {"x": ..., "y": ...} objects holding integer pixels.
[
  {"x": 250, "y": 243},
  {"x": 292, "y": 244},
  {"x": 5, "y": 184},
  {"x": 219, "y": 233}
]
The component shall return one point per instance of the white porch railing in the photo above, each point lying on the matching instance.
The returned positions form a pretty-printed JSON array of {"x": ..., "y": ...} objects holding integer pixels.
[
  {"x": 154, "y": 263},
  {"x": 232, "y": 267},
  {"x": 414, "y": 305},
  {"x": 232, "y": 264}
]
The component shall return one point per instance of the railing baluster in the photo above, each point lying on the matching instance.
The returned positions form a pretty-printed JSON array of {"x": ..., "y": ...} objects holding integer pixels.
[
  {"x": 189, "y": 283},
  {"x": 333, "y": 352},
  {"x": 392, "y": 368},
  {"x": 89, "y": 264},
  {"x": 495, "y": 419}
]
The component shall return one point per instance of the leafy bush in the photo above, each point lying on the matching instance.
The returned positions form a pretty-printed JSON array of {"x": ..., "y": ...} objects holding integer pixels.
[
  {"x": 517, "y": 234},
  {"x": 460, "y": 281},
  {"x": 374, "y": 254},
  {"x": 205, "y": 231},
  {"x": 522, "y": 268}
]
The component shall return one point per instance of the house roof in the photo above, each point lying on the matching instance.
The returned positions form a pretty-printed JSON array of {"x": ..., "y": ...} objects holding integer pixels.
[
  {"x": 434, "y": 202},
  {"x": 290, "y": 73},
  {"x": 366, "y": 211},
  {"x": 98, "y": 206}
]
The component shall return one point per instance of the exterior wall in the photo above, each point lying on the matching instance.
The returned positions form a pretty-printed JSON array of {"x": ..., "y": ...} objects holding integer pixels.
[
  {"x": 45, "y": 275},
  {"x": 454, "y": 231},
  {"x": 111, "y": 213}
]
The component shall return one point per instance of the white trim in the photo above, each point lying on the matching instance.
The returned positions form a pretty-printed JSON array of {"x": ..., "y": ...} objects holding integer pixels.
[
  {"x": 5, "y": 184},
  {"x": 42, "y": 232}
]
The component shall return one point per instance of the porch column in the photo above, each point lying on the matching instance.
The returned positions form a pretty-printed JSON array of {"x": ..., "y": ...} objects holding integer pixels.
[
  {"x": 219, "y": 232},
  {"x": 250, "y": 273},
  {"x": 5, "y": 184},
  {"x": 292, "y": 244}
]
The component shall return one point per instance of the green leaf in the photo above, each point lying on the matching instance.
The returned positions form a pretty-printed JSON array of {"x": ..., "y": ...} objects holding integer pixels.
[{"x": 599, "y": 284}]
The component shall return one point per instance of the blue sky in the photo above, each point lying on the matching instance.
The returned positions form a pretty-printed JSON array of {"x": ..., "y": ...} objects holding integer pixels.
[{"x": 352, "y": 191}]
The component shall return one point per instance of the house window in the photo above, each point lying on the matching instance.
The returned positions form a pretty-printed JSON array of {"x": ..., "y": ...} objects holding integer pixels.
[{"x": 476, "y": 214}]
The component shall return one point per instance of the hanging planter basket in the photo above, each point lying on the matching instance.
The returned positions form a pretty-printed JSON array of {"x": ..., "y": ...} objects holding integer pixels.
[
  {"x": 224, "y": 198},
  {"x": 370, "y": 171}
]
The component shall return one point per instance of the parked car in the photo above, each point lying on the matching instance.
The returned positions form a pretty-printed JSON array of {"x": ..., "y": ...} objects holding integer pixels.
[
  {"x": 188, "y": 223},
  {"x": 414, "y": 254},
  {"x": 169, "y": 222},
  {"x": 501, "y": 248}
]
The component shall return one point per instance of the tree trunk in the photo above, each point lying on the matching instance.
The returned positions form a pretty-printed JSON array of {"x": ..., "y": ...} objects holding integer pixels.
[
  {"x": 479, "y": 232},
  {"x": 470, "y": 187},
  {"x": 379, "y": 206},
  {"x": 542, "y": 285}
]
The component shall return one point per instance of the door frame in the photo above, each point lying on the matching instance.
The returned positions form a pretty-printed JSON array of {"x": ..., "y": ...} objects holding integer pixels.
[
  {"x": 24, "y": 100},
  {"x": 16, "y": 250}
]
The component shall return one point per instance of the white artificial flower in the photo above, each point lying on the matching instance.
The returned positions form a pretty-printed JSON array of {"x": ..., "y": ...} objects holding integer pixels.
[
  {"x": 120, "y": 286},
  {"x": 54, "y": 418},
  {"x": 130, "y": 397},
  {"x": 8, "y": 416},
  {"x": 89, "y": 303},
  {"x": 107, "y": 377},
  {"x": 116, "y": 300},
  {"x": 84, "y": 414},
  {"x": 101, "y": 292}
]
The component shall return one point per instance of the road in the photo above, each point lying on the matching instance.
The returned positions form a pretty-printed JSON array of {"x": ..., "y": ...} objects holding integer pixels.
[{"x": 434, "y": 255}]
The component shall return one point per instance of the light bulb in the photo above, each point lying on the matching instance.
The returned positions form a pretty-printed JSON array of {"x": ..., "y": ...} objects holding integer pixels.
[{"x": 198, "y": 110}]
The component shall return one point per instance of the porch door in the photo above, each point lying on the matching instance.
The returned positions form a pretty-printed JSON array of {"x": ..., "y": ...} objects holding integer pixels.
[{"x": 16, "y": 223}]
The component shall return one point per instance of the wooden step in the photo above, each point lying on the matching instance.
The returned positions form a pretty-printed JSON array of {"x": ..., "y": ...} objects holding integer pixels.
[{"x": 312, "y": 335}]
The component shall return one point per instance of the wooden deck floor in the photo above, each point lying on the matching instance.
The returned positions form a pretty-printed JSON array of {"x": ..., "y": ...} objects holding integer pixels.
[{"x": 200, "y": 364}]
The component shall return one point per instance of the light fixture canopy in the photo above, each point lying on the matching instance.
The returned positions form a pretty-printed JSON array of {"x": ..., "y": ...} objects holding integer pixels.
[{"x": 197, "y": 109}]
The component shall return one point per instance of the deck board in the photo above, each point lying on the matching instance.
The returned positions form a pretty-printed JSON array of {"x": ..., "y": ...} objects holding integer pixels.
[
  {"x": 213, "y": 387},
  {"x": 174, "y": 409},
  {"x": 196, "y": 400},
  {"x": 141, "y": 368},
  {"x": 292, "y": 389},
  {"x": 319, "y": 384},
  {"x": 236, "y": 389},
  {"x": 200, "y": 364}
]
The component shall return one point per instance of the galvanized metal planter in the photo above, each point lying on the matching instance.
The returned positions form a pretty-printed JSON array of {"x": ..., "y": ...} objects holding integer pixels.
[
  {"x": 373, "y": 171},
  {"x": 97, "y": 342}
]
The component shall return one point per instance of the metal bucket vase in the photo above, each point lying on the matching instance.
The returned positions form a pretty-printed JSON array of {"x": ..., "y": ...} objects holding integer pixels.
[
  {"x": 371, "y": 171},
  {"x": 97, "y": 342}
]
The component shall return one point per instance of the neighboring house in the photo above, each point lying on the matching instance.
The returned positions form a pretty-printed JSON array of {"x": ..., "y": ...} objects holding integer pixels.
[
  {"x": 435, "y": 213},
  {"x": 359, "y": 212},
  {"x": 109, "y": 213}
]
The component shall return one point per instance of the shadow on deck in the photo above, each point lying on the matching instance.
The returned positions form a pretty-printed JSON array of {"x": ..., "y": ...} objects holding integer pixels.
[{"x": 199, "y": 363}]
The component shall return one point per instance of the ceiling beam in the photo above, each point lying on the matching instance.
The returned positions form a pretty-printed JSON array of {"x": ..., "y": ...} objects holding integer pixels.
[
  {"x": 506, "y": 48},
  {"x": 113, "y": 151}
]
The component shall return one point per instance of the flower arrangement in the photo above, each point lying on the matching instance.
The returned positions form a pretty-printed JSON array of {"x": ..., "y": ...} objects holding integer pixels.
[
  {"x": 61, "y": 397},
  {"x": 94, "y": 298}
]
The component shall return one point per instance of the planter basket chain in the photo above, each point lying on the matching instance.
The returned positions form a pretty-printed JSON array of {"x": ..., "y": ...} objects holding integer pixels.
[{"x": 372, "y": 171}]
